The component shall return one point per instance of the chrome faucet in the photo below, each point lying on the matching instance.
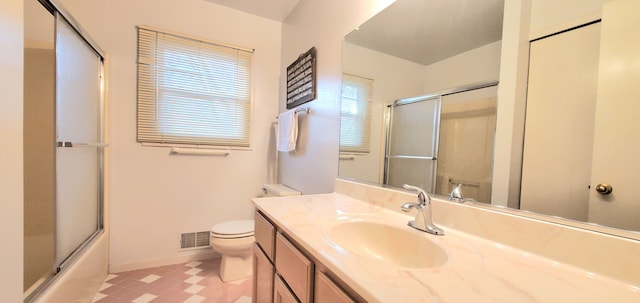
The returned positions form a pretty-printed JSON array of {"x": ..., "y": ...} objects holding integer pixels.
[
  {"x": 423, "y": 220},
  {"x": 456, "y": 193}
]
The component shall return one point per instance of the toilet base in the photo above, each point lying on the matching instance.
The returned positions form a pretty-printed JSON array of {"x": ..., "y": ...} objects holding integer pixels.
[{"x": 235, "y": 267}]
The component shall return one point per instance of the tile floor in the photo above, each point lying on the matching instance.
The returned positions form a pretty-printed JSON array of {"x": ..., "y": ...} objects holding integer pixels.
[{"x": 194, "y": 282}]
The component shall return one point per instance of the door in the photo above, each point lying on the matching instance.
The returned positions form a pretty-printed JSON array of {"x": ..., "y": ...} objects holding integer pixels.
[
  {"x": 558, "y": 138},
  {"x": 412, "y": 143},
  {"x": 616, "y": 156},
  {"x": 79, "y": 137}
]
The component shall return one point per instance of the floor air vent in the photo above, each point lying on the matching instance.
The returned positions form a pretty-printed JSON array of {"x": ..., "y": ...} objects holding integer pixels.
[{"x": 194, "y": 240}]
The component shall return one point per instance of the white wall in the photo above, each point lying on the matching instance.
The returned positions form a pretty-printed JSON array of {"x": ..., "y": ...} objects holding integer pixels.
[
  {"x": 155, "y": 196},
  {"x": 11, "y": 185},
  {"x": 511, "y": 103},
  {"x": 393, "y": 79},
  {"x": 547, "y": 14},
  {"x": 481, "y": 64},
  {"x": 323, "y": 24}
]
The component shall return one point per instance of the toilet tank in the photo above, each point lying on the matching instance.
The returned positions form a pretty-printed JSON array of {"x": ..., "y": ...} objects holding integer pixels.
[{"x": 278, "y": 190}]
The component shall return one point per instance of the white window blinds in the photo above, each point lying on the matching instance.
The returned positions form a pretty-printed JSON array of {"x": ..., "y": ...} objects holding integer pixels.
[
  {"x": 355, "y": 118},
  {"x": 192, "y": 91}
]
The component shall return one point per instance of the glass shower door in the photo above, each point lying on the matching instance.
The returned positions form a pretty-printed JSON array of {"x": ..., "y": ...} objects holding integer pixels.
[
  {"x": 467, "y": 136},
  {"x": 38, "y": 146},
  {"x": 412, "y": 143},
  {"x": 79, "y": 141}
]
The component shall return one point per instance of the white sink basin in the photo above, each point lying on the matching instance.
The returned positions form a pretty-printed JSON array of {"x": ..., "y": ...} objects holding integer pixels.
[{"x": 399, "y": 246}]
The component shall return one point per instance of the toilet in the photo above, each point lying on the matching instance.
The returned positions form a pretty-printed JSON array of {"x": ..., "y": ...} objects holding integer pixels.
[{"x": 234, "y": 239}]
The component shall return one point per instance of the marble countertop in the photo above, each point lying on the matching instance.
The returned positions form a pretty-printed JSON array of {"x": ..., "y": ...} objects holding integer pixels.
[{"x": 477, "y": 270}]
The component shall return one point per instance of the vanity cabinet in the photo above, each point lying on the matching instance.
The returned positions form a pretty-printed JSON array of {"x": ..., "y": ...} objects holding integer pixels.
[
  {"x": 265, "y": 234},
  {"x": 326, "y": 291},
  {"x": 282, "y": 273},
  {"x": 295, "y": 268},
  {"x": 263, "y": 272},
  {"x": 281, "y": 293},
  {"x": 263, "y": 256}
]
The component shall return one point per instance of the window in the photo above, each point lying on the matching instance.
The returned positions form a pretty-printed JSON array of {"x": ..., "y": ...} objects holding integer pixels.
[
  {"x": 355, "y": 118},
  {"x": 192, "y": 91}
]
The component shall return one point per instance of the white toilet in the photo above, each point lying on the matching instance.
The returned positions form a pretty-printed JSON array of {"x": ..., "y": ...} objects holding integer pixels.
[{"x": 234, "y": 239}]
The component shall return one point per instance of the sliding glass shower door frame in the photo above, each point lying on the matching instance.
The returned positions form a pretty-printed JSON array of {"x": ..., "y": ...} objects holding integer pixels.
[
  {"x": 94, "y": 88},
  {"x": 436, "y": 97},
  {"x": 65, "y": 145},
  {"x": 432, "y": 157}
]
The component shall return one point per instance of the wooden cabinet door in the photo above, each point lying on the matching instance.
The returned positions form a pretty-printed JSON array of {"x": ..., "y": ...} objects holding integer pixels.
[
  {"x": 281, "y": 293},
  {"x": 265, "y": 234},
  {"x": 328, "y": 292},
  {"x": 295, "y": 268},
  {"x": 263, "y": 272}
]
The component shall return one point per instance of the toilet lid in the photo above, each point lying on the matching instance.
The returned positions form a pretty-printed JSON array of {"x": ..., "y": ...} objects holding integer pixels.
[{"x": 234, "y": 228}]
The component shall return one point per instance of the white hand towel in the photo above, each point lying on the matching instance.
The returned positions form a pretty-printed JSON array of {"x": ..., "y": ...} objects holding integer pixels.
[{"x": 287, "y": 131}]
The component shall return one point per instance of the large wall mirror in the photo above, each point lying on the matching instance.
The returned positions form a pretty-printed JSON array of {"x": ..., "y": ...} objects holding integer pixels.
[{"x": 423, "y": 75}]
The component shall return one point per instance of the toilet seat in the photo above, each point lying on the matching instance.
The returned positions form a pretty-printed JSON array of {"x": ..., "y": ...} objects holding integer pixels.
[{"x": 233, "y": 229}]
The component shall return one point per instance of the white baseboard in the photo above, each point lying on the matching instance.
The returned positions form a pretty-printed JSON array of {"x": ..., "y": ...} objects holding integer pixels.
[{"x": 208, "y": 254}]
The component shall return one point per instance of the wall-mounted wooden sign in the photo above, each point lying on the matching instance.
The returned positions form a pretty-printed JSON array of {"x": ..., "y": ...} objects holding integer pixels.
[{"x": 301, "y": 79}]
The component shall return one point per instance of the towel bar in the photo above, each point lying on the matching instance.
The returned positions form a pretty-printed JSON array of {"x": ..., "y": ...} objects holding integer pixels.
[{"x": 305, "y": 110}]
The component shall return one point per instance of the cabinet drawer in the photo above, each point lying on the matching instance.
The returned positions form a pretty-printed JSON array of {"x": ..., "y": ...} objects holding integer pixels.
[
  {"x": 294, "y": 268},
  {"x": 265, "y": 234},
  {"x": 328, "y": 292},
  {"x": 263, "y": 273},
  {"x": 282, "y": 294}
]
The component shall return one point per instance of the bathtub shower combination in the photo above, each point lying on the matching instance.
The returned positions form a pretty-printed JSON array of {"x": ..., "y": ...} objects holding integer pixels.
[
  {"x": 442, "y": 140},
  {"x": 63, "y": 144}
]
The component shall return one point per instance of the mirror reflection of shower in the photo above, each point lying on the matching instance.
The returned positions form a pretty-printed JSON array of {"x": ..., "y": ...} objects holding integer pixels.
[
  {"x": 412, "y": 138},
  {"x": 443, "y": 139}
]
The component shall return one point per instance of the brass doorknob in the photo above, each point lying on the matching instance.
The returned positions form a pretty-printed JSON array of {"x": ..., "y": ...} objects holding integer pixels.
[{"x": 604, "y": 188}]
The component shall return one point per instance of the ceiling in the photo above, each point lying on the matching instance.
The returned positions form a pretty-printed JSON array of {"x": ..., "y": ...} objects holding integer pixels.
[
  {"x": 422, "y": 31},
  {"x": 276, "y": 10},
  {"x": 427, "y": 31}
]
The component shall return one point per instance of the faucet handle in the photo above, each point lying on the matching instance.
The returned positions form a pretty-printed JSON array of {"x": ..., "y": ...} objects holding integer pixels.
[
  {"x": 408, "y": 206},
  {"x": 423, "y": 197},
  {"x": 456, "y": 193},
  {"x": 407, "y": 186}
]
